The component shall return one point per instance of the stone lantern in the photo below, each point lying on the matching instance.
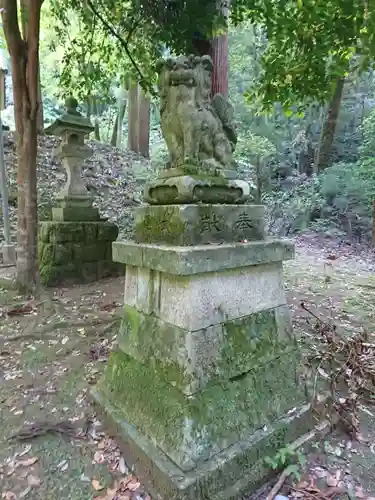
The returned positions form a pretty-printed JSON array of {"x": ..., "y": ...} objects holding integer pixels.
[
  {"x": 74, "y": 202},
  {"x": 76, "y": 245}
]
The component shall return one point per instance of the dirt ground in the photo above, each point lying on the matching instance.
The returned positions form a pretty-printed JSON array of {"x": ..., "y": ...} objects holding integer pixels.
[{"x": 54, "y": 348}]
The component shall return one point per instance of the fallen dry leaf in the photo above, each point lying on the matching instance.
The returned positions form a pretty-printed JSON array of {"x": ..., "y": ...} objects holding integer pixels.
[
  {"x": 133, "y": 485},
  {"x": 109, "y": 307},
  {"x": 359, "y": 493},
  {"x": 25, "y": 451},
  {"x": 33, "y": 481},
  {"x": 302, "y": 485},
  {"x": 99, "y": 457},
  {"x": 331, "y": 257},
  {"x": 28, "y": 462},
  {"x": 331, "y": 481},
  {"x": 8, "y": 495},
  {"x": 20, "y": 310},
  {"x": 96, "y": 485}
]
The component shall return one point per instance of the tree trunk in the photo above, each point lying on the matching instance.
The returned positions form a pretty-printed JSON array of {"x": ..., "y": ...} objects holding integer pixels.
[
  {"x": 114, "y": 132},
  {"x": 40, "y": 117},
  {"x": 24, "y": 54},
  {"x": 220, "y": 56},
  {"x": 120, "y": 122},
  {"x": 133, "y": 118},
  {"x": 327, "y": 135},
  {"x": 144, "y": 125},
  {"x": 94, "y": 107}
]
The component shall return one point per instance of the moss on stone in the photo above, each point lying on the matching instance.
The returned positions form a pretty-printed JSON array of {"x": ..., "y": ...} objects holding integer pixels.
[
  {"x": 160, "y": 224},
  {"x": 252, "y": 341},
  {"x": 155, "y": 343},
  {"x": 107, "y": 231},
  {"x": 53, "y": 275},
  {"x": 91, "y": 232},
  {"x": 240, "y": 346},
  {"x": 76, "y": 252},
  {"x": 189, "y": 428}
]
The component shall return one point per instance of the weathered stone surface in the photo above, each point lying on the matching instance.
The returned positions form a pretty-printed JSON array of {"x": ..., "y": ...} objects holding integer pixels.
[
  {"x": 76, "y": 252},
  {"x": 75, "y": 214},
  {"x": 73, "y": 203},
  {"x": 9, "y": 254},
  {"x": 192, "y": 429},
  {"x": 198, "y": 301},
  {"x": 196, "y": 128},
  {"x": 190, "y": 360},
  {"x": 199, "y": 224},
  {"x": 198, "y": 259},
  {"x": 196, "y": 189},
  {"x": 232, "y": 473}
]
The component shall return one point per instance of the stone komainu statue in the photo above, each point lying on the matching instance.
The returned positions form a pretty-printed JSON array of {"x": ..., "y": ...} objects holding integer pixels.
[{"x": 198, "y": 130}]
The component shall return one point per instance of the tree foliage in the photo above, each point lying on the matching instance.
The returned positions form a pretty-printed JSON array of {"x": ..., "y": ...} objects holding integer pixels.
[{"x": 311, "y": 43}]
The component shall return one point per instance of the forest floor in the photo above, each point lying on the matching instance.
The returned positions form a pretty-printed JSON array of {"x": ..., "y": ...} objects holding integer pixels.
[{"x": 52, "y": 350}]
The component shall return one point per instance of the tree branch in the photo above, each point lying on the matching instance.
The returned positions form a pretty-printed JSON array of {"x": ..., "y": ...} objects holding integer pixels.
[
  {"x": 123, "y": 42},
  {"x": 12, "y": 32}
]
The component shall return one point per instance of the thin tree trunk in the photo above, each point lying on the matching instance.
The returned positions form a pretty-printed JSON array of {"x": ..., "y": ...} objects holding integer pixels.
[
  {"x": 94, "y": 107},
  {"x": 24, "y": 55},
  {"x": 133, "y": 118},
  {"x": 324, "y": 154},
  {"x": 120, "y": 122},
  {"x": 40, "y": 117},
  {"x": 114, "y": 132},
  {"x": 220, "y": 57},
  {"x": 88, "y": 105},
  {"x": 144, "y": 125}
]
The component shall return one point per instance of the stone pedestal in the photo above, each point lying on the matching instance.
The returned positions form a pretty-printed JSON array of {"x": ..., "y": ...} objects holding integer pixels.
[
  {"x": 76, "y": 252},
  {"x": 204, "y": 383},
  {"x": 9, "y": 255}
]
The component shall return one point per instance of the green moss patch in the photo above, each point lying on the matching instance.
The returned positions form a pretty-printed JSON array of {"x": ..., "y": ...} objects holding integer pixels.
[
  {"x": 189, "y": 428},
  {"x": 76, "y": 252}
]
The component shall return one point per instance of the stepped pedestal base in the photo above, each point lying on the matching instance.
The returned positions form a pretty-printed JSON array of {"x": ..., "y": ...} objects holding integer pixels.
[{"x": 204, "y": 383}]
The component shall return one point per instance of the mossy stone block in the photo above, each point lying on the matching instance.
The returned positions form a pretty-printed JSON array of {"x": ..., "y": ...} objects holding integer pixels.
[
  {"x": 192, "y": 429},
  {"x": 44, "y": 231},
  {"x": 89, "y": 271},
  {"x": 75, "y": 214},
  {"x": 95, "y": 253},
  {"x": 233, "y": 473},
  {"x": 108, "y": 268},
  {"x": 54, "y": 275},
  {"x": 199, "y": 224},
  {"x": 46, "y": 252},
  {"x": 63, "y": 254},
  {"x": 91, "y": 232},
  {"x": 185, "y": 261},
  {"x": 61, "y": 232},
  {"x": 215, "y": 354},
  {"x": 107, "y": 231}
]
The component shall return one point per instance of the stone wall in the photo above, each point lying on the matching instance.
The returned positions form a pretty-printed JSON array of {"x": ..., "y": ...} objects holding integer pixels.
[{"x": 76, "y": 252}]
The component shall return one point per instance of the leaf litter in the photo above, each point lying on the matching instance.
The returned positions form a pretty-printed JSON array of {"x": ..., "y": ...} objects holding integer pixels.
[{"x": 68, "y": 312}]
